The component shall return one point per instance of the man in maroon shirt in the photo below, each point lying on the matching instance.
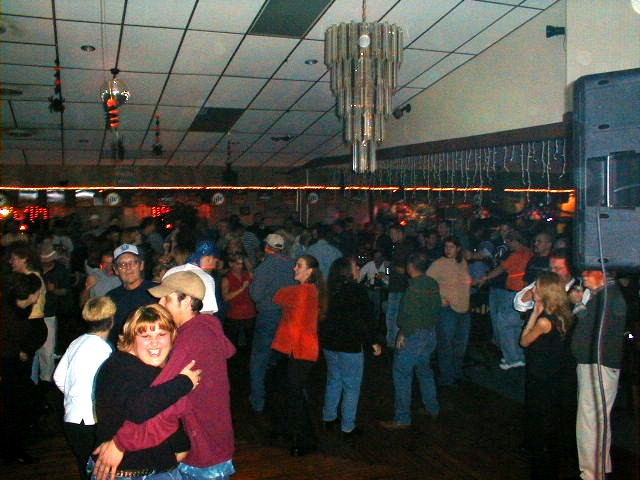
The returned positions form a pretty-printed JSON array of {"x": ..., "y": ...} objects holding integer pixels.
[{"x": 205, "y": 412}]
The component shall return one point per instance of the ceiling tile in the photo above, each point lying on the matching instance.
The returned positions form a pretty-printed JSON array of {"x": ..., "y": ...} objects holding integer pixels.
[
  {"x": 45, "y": 156},
  {"x": 256, "y": 121},
  {"x": 468, "y": 19},
  {"x": 260, "y": 56},
  {"x": 140, "y": 50},
  {"x": 193, "y": 58},
  {"x": 145, "y": 88},
  {"x": 293, "y": 123},
  {"x": 404, "y": 94},
  {"x": 73, "y": 35},
  {"x": 36, "y": 8},
  {"x": 186, "y": 159},
  {"x": 29, "y": 92},
  {"x": 347, "y": 11},
  {"x": 282, "y": 159},
  {"x": 200, "y": 141},
  {"x": 495, "y": 32},
  {"x": 169, "y": 139},
  {"x": 304, "y": 143},
  {"x": 217, "y": 15},
  {"x": 90, "y": 10},
  {"x": 415, "y": 62},
  {"x": 176, "y": 118},
  {"x": 538, "y": 3},
  {"x": 35, "y": 115},
  {"x": 416, "y": 16},
  {"x": 319, "y": 98},
  {"x": 295, "y": 67},
  {"x": 328, "y": 124},
  {"x": 23, "y": 74},
  {"x": 281, "y": 94},
  {"x": 28, "y": 54},
  {"x": 151, "y": 162},
  {"x": 235, "y": 92},
  {"x": 136, "y": 117},
  {"x": 81, "y": 157},
  {"x": 28, "y": 30},
  {"x": 450, "y": 63},
  {"x": 122, "y": 162},
  {"x": 159, "y": 14},
  {"x": 83, "y": 85},
  {"x": 83, "y": 139},
  {"x": 284, "y": 18},
  {"x": 252, "y": 159},
  {"x": 265, "y": 144},
  {"x": 188, "y": 90},
  {"x": 13, "y": 156}
]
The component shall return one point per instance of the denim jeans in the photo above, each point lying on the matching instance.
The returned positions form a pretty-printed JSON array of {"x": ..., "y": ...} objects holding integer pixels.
[
  {"x": 393, "y": 309},
  {"x": 416, "y": 354},
  {"x": 344, "y": 378},
  {"x": 265, "y": 330},
  {"x": 453, "y": 337},
  {"x": 508, "y": 326},
  {"x": 172, "y": 474},
  {"x": 221, "y": 471}
]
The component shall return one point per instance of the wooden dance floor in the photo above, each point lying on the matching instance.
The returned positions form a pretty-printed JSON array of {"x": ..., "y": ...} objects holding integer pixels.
[{"x": 477, "y": 436}]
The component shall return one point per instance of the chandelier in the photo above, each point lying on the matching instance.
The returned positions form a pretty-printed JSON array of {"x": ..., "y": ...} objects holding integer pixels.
[{"x": 363, "y": 59}]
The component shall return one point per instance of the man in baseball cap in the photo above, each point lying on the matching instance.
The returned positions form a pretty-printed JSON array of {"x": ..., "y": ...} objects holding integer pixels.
[
  {"x": 205, "y": 411},
  {"x": 133, "y": 293}
]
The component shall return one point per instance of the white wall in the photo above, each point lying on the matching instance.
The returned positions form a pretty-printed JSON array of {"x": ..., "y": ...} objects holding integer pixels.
[
  {"x": 518, "y": 82},
  {"x": 602, "y": 36}
]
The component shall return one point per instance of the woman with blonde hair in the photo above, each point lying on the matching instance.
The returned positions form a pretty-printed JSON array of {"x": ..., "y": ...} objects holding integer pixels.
[
  {"x": 547, "y": 356},
  {"x": 123, "y": 392}
]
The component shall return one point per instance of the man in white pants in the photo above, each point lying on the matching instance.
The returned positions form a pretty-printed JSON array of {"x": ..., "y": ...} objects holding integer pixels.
[{"x": 590, "y": 422}]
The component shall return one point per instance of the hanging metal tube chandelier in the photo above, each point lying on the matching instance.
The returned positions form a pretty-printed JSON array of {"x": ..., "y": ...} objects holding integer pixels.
[{"x": 363, "y": 59}]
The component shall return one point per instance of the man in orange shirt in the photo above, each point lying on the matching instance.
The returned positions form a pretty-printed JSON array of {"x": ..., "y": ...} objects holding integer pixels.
[{"x": 508, "y": 323}]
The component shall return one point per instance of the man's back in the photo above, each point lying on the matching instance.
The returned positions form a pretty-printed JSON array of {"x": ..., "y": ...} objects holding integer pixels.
[{"x": 275, "y": 272}]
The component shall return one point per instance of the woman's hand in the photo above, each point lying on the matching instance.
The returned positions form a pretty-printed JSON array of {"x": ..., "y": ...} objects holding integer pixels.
[
  {"x": 538, "y": 308},
  {"x": 377, "y": 349},
  {"x": 193, "y": 374},
  {"x": 109, "y": 457}
]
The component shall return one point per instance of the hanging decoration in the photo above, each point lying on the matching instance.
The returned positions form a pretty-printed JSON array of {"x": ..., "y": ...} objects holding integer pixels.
[
  {"x": 114, "y": 93},
  {"x": 157, "y": 146},
  {"x": 56, "y": 102},
  {"x": 363, "y": 59}
]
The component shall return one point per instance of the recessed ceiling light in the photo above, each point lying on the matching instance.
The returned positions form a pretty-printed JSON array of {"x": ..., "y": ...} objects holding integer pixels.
[
  {"x": 88, "y": 48},
  {"x": 311, "y": 61}
]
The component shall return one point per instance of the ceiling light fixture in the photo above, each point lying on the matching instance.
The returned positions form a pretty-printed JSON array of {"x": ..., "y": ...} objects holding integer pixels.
[
  {"x": 363, "y": 59},
  {"x": 311, "y": 61},
  {"x": 88, "y": 48}
]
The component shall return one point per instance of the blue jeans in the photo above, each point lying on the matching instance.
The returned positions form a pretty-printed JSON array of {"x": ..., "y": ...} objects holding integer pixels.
[
  {"x": 221, "y": 471},
  {"x": 453, "y": 337},
  {"x": 508, "y": 326},
  {"x": 265, "y": 329},
  {"x": 416, "y": 354},
  {"x": 344, "y": 378},
  {"x": 393, "y": 309},
  {"x": 173, "y": 474}
]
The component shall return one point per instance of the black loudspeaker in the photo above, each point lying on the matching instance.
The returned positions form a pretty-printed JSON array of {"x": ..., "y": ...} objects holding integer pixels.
[{"x": 606, "y": 145}]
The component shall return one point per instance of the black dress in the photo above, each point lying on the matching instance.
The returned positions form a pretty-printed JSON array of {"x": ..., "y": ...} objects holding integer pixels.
[{"x": 548, "y": 358}]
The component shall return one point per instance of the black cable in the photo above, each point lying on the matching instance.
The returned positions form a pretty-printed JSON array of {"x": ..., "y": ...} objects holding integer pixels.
[{"x": 603, "y": 440}]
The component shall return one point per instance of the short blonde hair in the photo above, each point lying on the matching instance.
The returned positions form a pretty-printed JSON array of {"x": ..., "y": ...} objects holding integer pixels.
[
  {"x": 98, "y": 308},
  {"x": 154, "y": 315}
]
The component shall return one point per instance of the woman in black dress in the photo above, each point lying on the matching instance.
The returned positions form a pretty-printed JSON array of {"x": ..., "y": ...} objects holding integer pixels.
[{"x": 547, "y": 356}]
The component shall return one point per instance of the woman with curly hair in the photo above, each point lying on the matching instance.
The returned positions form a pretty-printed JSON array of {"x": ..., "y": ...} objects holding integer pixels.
[{"x": 547, "y": 355}]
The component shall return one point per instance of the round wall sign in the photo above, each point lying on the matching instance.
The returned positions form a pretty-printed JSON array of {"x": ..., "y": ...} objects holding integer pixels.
[
  {"x": 112, "y": 199},
  {"x": 218, "y": 198},
  {"x": 313, "y": 198}
]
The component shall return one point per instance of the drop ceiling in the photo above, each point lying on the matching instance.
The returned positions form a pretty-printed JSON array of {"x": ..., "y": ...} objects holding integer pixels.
[{"x": 228, "y": 80}]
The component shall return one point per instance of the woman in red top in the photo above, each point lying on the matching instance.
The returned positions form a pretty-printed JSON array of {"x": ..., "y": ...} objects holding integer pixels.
[
  {"x": 296, "y": 340},
  {"x": 241, "y": 309}
]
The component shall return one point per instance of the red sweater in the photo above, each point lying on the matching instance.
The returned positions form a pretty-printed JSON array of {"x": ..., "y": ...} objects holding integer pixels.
[{"x": 297, "y": 333}]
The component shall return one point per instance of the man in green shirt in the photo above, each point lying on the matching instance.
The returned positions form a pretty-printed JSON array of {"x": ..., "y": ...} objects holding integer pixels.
[{"x": 416, "y": 343}]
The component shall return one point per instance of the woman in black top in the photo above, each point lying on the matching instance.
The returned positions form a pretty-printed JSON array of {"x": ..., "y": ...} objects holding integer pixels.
[
  {"x": 547, "y": 355},
  {"x": 123, "y": 391},
  {"x": 349, "y": 325}
]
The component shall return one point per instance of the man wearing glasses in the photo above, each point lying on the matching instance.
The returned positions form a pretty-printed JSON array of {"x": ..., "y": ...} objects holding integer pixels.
[{"x": 134, "y": 291}]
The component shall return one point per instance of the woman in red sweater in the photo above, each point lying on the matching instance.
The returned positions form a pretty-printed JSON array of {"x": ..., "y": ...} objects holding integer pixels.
[
  {"x": 296, "y": 340},
  {"x": 241, "y": 313}
]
